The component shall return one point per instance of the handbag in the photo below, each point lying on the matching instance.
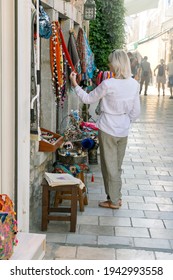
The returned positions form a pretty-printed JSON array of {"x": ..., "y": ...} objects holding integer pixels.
[
  {"x": 98, "y": 108},
  {"x": 8, "y": 227}
]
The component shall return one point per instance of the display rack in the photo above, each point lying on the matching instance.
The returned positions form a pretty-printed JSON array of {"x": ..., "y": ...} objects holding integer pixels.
[{"x": 46, "y": 146}]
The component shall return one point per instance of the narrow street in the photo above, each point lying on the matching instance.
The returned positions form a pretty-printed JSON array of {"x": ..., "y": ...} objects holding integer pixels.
[{"x": 143, "y": 227}]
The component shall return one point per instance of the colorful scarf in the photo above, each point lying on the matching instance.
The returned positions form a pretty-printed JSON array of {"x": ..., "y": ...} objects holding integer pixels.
[
  {"x": 72, "y": 48},
  {"x": 81, "y": 49},
  {"x": 103, "y": 75},
  {"x": 90, "y": 65}
]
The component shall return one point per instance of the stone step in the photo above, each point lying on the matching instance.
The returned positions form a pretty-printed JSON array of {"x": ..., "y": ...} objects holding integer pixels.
[{"x": 30, "y": 246}]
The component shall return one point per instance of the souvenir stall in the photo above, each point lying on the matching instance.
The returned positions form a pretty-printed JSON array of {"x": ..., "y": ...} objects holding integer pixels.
[
  {"x": 64, "y": 140},
  {"x": 75, "y": 56},
  {"x": 80, "y": 138}
]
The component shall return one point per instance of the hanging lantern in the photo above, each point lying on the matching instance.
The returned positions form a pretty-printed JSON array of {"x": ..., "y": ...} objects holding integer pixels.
[{"x": 89, "y": 10}]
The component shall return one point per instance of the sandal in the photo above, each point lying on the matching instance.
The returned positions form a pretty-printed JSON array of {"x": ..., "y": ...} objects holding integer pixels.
[
  {"x": 109, "y": 204},
  {"x": 120, "y": 200}
]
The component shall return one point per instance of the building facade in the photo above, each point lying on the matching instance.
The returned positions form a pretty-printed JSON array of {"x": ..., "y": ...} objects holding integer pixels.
[{"x": 21, "y": 164}]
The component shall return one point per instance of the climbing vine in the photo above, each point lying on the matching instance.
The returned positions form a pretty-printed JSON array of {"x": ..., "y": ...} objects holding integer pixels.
[{"x": 107, "y": 30}]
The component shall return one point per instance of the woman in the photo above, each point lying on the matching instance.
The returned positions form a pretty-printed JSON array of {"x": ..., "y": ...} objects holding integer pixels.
[
  {"x": 120, "y": 105},
  {"x": 161, "y": 76}
]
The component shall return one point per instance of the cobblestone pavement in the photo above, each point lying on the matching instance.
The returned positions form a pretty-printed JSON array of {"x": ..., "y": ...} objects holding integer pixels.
[{"x": 143, "y": 228}]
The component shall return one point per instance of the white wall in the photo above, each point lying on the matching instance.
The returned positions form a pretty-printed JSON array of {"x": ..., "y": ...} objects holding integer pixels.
[
  {"x": 7, "y": 99},
  {"x": 10, "y": 133},
  {"x": 23, "y": 114}
]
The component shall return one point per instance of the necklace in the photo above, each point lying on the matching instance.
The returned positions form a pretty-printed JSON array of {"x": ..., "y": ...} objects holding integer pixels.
[{"x": 59, "y": 60}]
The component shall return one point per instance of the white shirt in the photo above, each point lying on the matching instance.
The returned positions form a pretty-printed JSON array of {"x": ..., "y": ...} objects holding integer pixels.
[{"x": 120, "y": 104}]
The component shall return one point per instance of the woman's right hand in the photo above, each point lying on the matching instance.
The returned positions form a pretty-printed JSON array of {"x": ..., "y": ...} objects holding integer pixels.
[{"x": 73, "y": 79}]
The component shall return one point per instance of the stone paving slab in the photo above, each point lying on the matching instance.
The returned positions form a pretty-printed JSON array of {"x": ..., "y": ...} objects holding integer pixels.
[
  {"x": 147, "y": 223},
  {"x": 158, "y": 215},
  {"x": 126, "y": 254},
  {"x": 153, "y": 243},
  {"x": 115, "y": 221},
  {"x": 113, "y": 241},
  {"x": 160, "y": 233},
  {"x": 96, "y": 230},
  {"x": 158, "y": 200},
  {"x": 87, "y": 220},
  {"x": 87, "y": 253},
  {"x": 144, "y": 206},
  {"x": 132, "y": 232},
  {"x": 81, "y": 239},
  {"x": 168, "y": 224},
  {"x": 129, "y": 213},
  {"x": 61, "y": 252}
]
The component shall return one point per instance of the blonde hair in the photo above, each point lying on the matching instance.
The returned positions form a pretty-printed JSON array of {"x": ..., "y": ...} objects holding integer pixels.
[{"x": 120, "y": 63}]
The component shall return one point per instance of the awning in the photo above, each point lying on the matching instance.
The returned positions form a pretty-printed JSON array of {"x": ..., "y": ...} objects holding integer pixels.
[
  {"x": 167, "y": 24},
  {"x": 137, "y": 6}
]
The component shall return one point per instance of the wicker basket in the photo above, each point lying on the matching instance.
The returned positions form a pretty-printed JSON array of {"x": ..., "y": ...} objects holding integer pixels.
[{"x": 73, "y": 158}]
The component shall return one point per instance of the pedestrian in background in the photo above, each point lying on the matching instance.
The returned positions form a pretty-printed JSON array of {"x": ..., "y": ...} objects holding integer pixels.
[
  {"x": 161, "y": 76},
  {"x": 170, "y": 76},
  {"x": 146, "y": 74},
  {"x": 120, "y": 106},
  {"x": 134, "y": 65}
]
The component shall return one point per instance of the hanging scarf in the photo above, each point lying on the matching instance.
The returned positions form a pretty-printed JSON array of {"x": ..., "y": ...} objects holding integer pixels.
[
  {"x": 86, "y": 56},
  {"x": 99, "y": 78},
  {"x": 45, "y": 27},
  {"x": 59, "y": 58},
  {"x": 65, "y": 50},
  {"x": 103, "y": 75},
  {"x": 81, "y": 49},
  {"x": 72, "y": 48},
  {"x": 89, "y": 57}
]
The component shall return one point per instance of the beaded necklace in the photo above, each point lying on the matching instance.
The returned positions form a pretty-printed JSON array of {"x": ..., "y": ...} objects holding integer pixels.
[{"x": 59, "y": 59}]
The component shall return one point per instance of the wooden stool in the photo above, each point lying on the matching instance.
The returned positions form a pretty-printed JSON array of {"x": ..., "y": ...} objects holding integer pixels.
[
  {"x": 65, "y": 195},
  {"x": 81, "y": 197},
  {"x": 46, "y": 209}
]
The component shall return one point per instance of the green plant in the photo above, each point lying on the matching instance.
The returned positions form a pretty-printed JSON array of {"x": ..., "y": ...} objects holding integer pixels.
[{"x": 107, "y": 30}]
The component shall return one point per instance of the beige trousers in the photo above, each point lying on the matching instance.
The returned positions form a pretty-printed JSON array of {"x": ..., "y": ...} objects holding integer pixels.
[{"x": 112, "y": 151}]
